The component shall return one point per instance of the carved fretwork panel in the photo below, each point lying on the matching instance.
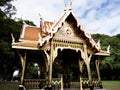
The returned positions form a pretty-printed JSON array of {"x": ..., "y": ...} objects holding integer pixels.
[
  {"x": 65, "y": 45},
  {"x": 67, "y": 33}
]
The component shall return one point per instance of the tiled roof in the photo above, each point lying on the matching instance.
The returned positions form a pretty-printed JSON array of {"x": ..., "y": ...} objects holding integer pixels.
[
  {"x": 31, "y": 33},
  {"x": 33, "y": 37}
]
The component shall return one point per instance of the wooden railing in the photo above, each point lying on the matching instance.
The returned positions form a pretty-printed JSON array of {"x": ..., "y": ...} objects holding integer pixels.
[
  {"x": 41, "y": 83},
  {"x": 86, "y": 83},
  {"x": 34, "y": 83},
  {"x": 57, "y": 83}
]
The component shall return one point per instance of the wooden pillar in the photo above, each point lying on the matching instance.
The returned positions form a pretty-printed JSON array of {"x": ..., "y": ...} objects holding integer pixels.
[
  {"x": 47, "y": 60},
  {"x": 61, "y": 82},
  {"x": 51, "y": 62},
  {"x": 97, "y": 68},
  {"x": 23, "y": 62},
  {"x": 89, "y": 73},
  {"x": 81, "y": 63},
  {"x": 87, "y": 59},
  {"x": 97, "y": 62}
]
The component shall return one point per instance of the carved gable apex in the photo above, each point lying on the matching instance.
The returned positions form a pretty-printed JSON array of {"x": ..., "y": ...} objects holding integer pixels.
[{"x": 67, "y": 33}]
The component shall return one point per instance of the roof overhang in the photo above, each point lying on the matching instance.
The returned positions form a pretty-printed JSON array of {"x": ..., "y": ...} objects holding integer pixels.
[
  {"x": 27, "y": 48},
  {"x": 105, "y": 53}
]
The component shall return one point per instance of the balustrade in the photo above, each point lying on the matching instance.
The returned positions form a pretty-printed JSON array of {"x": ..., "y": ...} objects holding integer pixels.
[
  {"x": 95, "y": 83},
  {"x": 34, "y": 83}
]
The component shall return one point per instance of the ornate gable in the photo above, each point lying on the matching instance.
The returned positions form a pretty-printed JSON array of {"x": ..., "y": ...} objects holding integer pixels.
[{"x": 67, "y": 33}]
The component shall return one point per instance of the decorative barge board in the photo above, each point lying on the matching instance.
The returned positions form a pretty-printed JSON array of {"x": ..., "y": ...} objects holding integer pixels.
[{"x": 65, "y": 33}]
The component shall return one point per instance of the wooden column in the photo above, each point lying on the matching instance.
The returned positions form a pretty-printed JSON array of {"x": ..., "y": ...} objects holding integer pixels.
[
  {"x": 47, "y": 63},
  {"x": 87, "y": 59},
  {"x": 81, "y": 63},
  {"x": 51, "y": 62},
  {"x": 89, "y": 73},
  {"x": 23, "y": 62},
  {"x": 97, "y": 62}
]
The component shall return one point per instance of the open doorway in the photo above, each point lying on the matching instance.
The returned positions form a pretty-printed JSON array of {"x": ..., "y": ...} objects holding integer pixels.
[{"x": 66, "y": 64}]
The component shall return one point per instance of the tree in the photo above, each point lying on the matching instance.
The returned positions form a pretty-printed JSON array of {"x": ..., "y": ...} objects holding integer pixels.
[
  {"x": 9, "y": 60},
  {"x": 111, "y": 64},
  {"x": 7, "y": 7}
]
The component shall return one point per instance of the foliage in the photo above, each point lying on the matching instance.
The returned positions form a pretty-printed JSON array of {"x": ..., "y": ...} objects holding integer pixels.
[
  {"x": 111, "y": 64},
  {"x": 9, "y": 60},
  {"x": 7, "y": 7}
]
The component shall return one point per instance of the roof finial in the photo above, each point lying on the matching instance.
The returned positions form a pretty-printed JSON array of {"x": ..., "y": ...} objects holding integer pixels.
[
  {"x": 65, "y": 7},
  {"x": 40, "y": 15},
  {"x": 70, "y": 8},
  {"x": 40, "y": 21}
]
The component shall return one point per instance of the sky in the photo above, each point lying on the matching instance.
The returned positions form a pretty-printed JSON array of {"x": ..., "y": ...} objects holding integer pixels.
[{"x": 95, "y": 16}]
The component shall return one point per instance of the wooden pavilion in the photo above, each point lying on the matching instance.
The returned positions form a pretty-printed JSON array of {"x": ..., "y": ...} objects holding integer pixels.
[{"x": 46, "y": 42}]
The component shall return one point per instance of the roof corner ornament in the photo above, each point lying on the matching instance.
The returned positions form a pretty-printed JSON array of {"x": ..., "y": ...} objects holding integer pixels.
[
  {"x": 41, "y": 41},
  {"x": 23, "y": 22},
  {"x": 13, "y": 39},
  {"x": 98, "y": 44},
  {"x": 108, "y": 49}
]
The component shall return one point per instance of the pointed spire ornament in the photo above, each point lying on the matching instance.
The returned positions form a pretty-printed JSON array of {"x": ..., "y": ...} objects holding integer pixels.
[
  {"x": 108, "y": 49},
  {"x": 70, "y": 5},
  {"x": 13, "y": 39},
  {"x": 41, "y": 25},
  {"x": 98, "y": 44},
  {"x": 65, "y": 7}
]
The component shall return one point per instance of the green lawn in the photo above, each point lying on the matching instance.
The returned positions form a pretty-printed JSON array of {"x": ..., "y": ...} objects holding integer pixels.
[
  {"x": 9, "y": 85},
  {"x": 111, "y": 83}
]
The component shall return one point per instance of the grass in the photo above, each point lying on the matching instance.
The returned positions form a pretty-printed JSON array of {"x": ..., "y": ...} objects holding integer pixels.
[
  {"x": 9, "y": 85},
  {"x": 108, "y": 84},
  {"x": 111, "y": 83}
]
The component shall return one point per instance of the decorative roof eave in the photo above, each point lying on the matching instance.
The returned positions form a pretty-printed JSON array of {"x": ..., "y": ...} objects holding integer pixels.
[
  {"x": 25, "y": 45},
  {"x": 21, "y": 47},
  {"x": 104, "y": 53},
  {"x": 31, "y": 45}
]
